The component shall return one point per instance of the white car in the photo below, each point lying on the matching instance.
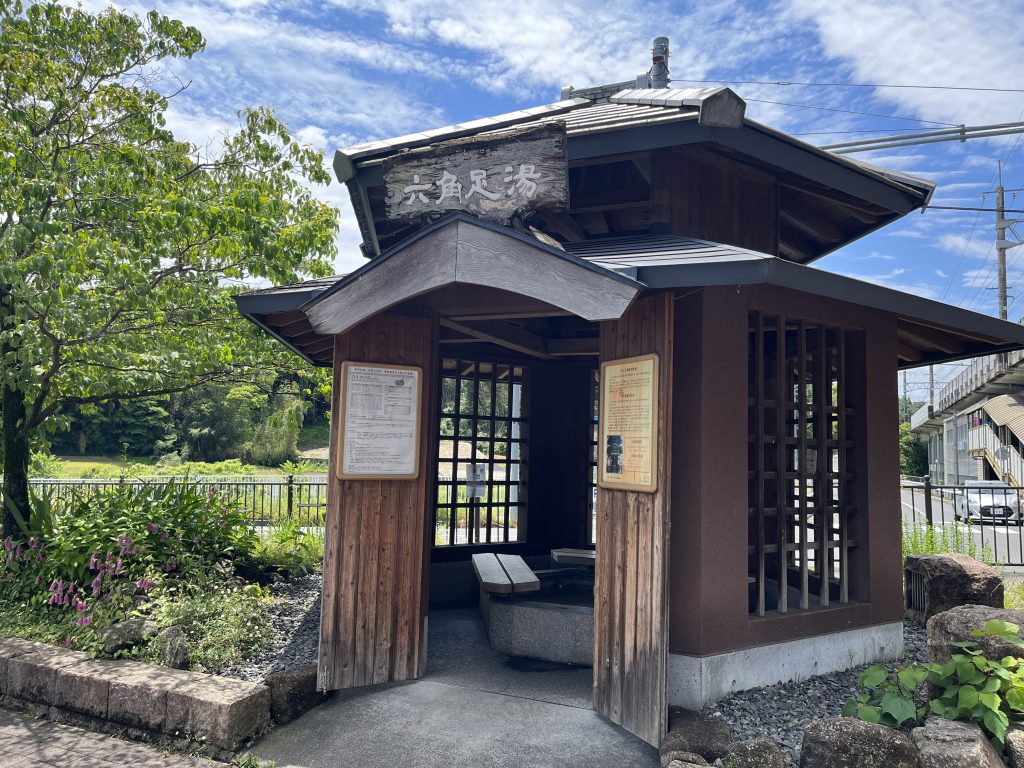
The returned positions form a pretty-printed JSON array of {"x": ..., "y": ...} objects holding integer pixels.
[{"x": 988, "y": 501}]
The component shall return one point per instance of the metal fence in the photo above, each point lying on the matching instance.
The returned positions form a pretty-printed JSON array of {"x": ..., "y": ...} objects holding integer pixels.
[
  {"x": 267, "y": 499},
  {"x": 980, "y": 518}
]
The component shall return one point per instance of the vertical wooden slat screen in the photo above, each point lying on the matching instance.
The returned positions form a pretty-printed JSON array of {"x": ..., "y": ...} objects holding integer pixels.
[
  {"x": 631, "y": 574},
  {"x": 804, "y": 425},
  {"x": 372, "y": 617}
]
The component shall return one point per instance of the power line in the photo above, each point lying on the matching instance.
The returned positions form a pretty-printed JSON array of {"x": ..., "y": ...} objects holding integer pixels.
[
  {"x": 846, "y": 133},
  {"x": 972, "y": 208},
  {"x": 857, "y": 85},
  {"x": 853, "y": 112}
]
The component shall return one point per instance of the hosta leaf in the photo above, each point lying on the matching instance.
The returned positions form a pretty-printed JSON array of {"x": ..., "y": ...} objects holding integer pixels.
[
  {"x": 967, "y": 697},
  {"x": 870, "y": 714},
  {"x": 900, "y": 708},
  {"x": 873, "y": 676}
]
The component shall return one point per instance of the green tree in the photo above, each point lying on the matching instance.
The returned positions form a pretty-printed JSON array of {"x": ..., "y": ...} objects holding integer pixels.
[
  {"x": 908, "y": 408},
  {"x": 119, "y": 243},
  {"x": 913, "y": 454}
]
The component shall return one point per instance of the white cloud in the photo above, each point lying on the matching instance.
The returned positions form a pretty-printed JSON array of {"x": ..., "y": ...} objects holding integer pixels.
[
  {"x": 891, "y": 280},
  {"x": 926, "y": 42},
  {"x": 977, "y": 247}
]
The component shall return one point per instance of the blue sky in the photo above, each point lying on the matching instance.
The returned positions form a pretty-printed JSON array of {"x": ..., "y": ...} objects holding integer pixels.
[{"x": 345, "y": 71}]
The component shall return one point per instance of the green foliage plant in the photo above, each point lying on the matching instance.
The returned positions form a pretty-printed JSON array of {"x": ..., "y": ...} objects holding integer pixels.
[
  {"x": 102, "y": 551},
  {"x": 289, "y": 546},
  {"x": 969, "y": 687},
  {"x": 952, "y": 536},
  {"x": 913, "y": 453},
  {"x": 224, "y": 622},
  {"x": 121, "y": 245}
]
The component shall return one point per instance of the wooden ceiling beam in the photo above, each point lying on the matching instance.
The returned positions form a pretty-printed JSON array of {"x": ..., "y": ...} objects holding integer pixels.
[
  {"x": 572, "y": 347},
  {"x": 962, "y": 333},
  {"x": 788, "y": 250},
  {"x": 908, "y": 353},
  {"x": 814, "y": 225},
  {"x": 856, "y": 210},
  {"x": 941, "y": 341},
  {"x": 503, "y": 334}
]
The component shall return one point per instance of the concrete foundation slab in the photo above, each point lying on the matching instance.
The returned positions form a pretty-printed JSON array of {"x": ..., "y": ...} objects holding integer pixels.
[{"x": 696, "y": 681}]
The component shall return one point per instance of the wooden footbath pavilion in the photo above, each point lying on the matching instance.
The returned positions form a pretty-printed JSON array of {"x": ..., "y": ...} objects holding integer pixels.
[{"x": 588, "y": 377}]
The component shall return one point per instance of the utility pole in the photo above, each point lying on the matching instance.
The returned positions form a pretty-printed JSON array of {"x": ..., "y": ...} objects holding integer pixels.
[
  {"x": 1001, "y": 242},
  {"x": 931, "y": 385},
  {"x": 906, "y": 398}
]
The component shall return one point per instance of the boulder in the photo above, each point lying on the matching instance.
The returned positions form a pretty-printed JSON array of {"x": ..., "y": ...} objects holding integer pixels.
[
  {"x": 955, "y": 626},
  {"x": 947, "y": 581},
  {"x": 757, "y": 753},
  {"x": 173, "y": 648},
  {"x": 681, "y": 764},
  {"x": 690, "y": 731},
  {"x": 293, "y": 692},
  {"x": 945, "y": 743},
  {"x": 683, "y": 758},
  {"x": 845, "y": 742},
  {"x": 1015, "y": 747},
  {"x": 123, "y": 634}
]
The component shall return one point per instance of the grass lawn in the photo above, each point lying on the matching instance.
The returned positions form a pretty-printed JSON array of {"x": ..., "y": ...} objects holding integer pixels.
[
  {"x": 314, "y": 436},
  {"x": 80, "y": 466},
  {"x": 83, "y": 466}
]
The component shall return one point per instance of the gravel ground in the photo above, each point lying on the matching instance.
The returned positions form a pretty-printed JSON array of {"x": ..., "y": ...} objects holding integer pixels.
[
  {"x": 295, "y": 618},
  {"x": 779, "y": 712}
]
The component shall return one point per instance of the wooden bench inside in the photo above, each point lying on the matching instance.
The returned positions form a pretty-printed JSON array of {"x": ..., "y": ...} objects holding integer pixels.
[{"x": 504, "y": 574}]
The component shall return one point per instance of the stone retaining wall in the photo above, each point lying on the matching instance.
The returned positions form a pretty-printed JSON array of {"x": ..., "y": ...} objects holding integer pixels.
[{"x": 69, "y": 685}]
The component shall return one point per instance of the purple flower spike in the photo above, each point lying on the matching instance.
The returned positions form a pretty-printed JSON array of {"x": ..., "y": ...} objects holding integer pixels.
[
  {"x": 69, "y": 642},
  {"x": 152, "y": 527},
  {"x": 84, "y": 621}
]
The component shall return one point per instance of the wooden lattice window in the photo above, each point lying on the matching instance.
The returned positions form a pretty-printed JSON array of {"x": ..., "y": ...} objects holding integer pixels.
[
  {"x": 483, "y": 429},
  {"x": 800, "y": 464}
]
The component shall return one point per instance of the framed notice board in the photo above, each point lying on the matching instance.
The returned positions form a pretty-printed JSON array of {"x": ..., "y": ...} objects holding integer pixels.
[
  {"x": 628, "y": 447},
  {"x": 379, "y": 423}
]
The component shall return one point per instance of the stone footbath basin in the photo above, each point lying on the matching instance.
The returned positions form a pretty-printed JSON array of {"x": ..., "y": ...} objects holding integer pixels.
[{"x": 554, "y": 624}]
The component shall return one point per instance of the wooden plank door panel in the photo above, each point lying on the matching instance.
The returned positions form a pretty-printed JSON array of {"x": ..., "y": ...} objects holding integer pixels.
[
  {"x": 372, "y": 627},
  {"x": 631, "y": 573}
]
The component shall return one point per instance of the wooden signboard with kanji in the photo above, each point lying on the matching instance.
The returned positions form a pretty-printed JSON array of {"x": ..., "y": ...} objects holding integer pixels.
[{"x": 495, "y": 177}]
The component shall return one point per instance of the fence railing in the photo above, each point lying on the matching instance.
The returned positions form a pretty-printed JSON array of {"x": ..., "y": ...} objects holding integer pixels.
[
  {"x": 267, "y": 499},
  {"x": 984, "y": 519}
]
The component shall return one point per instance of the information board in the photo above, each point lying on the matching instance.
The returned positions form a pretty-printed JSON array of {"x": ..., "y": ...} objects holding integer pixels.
[
  {"x": 379, "y": 421},
  {"x": 629, "y": 430}
]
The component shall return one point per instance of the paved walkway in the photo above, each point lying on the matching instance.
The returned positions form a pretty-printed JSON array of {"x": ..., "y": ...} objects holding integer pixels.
[
  {"x": 475, "y": 708},
  {"x": 29, "y": 743}
]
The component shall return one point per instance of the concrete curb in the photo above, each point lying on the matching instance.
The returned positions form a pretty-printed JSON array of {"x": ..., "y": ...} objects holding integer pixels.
[{"x": 145, "y": 699}]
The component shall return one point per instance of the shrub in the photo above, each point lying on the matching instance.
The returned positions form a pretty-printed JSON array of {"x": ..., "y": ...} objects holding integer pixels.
[
  {"x": 223, "y": 623},
  {"x": 922, "y": 539},
  {"x": 108, "y": 547},
  {"x": 289, "y": 546},
  {"x": 968, "y": 687}
]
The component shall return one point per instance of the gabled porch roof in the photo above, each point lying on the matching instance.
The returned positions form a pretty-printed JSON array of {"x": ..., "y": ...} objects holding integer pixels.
[{"x": 594, "y": 280}]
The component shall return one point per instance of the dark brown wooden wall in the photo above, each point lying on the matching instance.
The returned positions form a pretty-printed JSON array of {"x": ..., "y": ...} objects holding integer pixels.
[
  {"x": 709, "y": 601},
  {"x": 630, "y": 593},
  {"x": 714, "y": 198},
  {"x": 374, "y": 603}
]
